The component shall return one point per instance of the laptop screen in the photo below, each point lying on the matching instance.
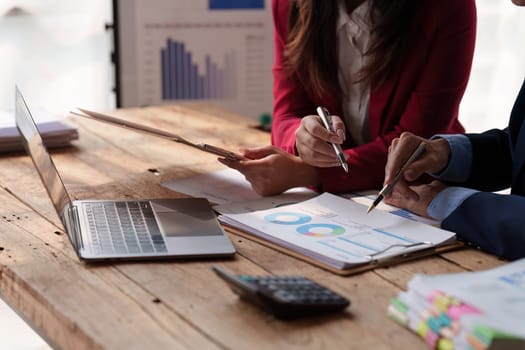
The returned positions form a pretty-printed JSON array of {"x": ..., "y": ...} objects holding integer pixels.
[{"x": 38, "y": 152}]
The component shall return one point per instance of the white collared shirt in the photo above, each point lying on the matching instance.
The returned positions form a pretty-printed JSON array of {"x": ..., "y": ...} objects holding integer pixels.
[{"x": 353, "y": 39}]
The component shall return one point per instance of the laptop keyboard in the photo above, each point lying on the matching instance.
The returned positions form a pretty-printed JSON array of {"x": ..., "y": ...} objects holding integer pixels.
[{"x": 124, "y": 227}]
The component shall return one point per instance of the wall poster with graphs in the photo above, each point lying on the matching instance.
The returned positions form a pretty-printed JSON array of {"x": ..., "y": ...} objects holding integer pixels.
[{"x": 195, "y": 50}]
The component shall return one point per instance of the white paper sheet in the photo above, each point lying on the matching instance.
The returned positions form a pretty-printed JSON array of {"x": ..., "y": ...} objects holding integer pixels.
[
  {"x": 230, "y": 186},
  {"x": 367, "y": 197}
]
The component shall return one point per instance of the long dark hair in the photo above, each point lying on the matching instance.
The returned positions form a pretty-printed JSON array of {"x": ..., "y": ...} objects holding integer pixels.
[{"x": 312, "y": 42}]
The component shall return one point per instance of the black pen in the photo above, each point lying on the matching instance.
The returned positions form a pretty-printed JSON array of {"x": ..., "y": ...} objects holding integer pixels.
[
  {"x": 327, "y": 122},
  {"x": 387, "y": 188}
]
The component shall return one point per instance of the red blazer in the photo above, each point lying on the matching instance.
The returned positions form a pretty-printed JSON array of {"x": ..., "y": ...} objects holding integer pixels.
[{"x": 422, "y": 96}]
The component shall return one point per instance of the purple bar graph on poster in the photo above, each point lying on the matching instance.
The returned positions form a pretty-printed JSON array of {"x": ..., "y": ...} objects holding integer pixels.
[
  {"x": 182, "y": 78},
  {"x": 164, "y": 63},
  {"x": 236, "y": 4}
]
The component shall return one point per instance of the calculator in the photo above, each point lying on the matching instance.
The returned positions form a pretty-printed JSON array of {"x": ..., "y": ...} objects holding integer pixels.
[{"x": 286, "y": 297}]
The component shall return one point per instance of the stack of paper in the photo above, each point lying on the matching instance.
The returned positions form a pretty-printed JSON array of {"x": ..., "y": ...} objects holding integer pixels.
[
  {"x": 471, "y": 310},
  {"x": 54, "y": 132}
]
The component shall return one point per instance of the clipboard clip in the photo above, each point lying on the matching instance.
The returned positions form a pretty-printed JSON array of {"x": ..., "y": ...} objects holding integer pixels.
[
  {"x": 219, "y": 151},
  {"x": 416, "y": 244}
]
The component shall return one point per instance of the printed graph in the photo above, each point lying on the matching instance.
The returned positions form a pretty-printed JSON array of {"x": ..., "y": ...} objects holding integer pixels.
[
  {"x": 369, "y": 242},
  {"x": 203, "y": 50},
  {"x": 182, "y": 79},
  {"x": 321, "y": 230},
  {"x": 345, "y": 238},
  {"x": 288, "y": 218}
]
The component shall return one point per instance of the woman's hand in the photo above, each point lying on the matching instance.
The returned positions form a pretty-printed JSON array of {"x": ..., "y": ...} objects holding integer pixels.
[
  {"x": 272, "y": 171},
  {"x": 312, "y": 141}
]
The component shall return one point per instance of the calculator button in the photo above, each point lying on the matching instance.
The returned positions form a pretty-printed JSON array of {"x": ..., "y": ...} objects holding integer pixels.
[{"x": 283, "y": 296}]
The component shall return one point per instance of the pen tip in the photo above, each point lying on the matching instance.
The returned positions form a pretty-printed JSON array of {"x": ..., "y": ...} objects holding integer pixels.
[{"x": 372, "y": 206}]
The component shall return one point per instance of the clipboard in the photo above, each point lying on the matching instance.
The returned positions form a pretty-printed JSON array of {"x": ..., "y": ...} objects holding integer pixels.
[
  {"x": 373, "y": 264},
  {"x": 336, "y": 234},
  {"x": 218, "y": 151}
]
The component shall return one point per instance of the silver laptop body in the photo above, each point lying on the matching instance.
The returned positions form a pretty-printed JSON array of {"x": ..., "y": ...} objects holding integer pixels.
[{"x": 123, "y": 229}]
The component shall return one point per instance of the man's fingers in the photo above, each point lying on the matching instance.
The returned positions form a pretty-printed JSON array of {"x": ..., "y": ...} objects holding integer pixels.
[
  {"x": 404, "y": 190},
  {"x": 399, "y": 151},
  {"x": 416, "y": 169}
]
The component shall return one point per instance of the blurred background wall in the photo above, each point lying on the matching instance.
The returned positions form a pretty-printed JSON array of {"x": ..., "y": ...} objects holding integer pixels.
[{"x": 58, "y": 52}]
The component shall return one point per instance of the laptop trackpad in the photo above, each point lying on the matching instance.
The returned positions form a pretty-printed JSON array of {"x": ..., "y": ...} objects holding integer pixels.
[{"x": 185, "y": 217}]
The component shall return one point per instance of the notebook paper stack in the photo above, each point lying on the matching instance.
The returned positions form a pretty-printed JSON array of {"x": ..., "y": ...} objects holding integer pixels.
[
  {"x": 471, "y": 310},
  {"x": 54, "y": 132}
]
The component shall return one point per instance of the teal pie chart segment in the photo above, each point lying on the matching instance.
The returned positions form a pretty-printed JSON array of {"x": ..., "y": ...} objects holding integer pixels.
[
  {"x": 321, "y": 230},
  {"x": 288, "y": 218}
]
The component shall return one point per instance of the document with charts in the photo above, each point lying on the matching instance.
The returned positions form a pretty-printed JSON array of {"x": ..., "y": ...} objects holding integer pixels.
[{"x": 338, "y": 232}]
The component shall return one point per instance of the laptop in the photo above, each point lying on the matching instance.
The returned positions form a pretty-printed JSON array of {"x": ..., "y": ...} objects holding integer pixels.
[{"x": 124, "y": 229}]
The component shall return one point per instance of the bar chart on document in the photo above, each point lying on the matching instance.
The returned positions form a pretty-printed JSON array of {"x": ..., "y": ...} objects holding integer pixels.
[{"x": 218, "y": 50}]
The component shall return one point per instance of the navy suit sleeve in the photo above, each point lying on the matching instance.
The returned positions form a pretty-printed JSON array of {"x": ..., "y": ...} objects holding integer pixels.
[
  {"x": 494, "y": 222},
  {"x": 491, "y": 161}
]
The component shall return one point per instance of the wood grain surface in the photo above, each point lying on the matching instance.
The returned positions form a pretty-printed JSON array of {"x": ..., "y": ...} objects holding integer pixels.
[{"x": 177, "y": 304}]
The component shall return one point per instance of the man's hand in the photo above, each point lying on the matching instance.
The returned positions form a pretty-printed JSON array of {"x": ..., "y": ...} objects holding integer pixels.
[
  {"x": 312, "y": 141},
  {"x": 434, "y": 160},
  {"x": 419, "y": 203}
]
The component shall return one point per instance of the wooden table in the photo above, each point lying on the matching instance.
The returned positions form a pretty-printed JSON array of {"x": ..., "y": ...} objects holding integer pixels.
[{"x": 172, "y": 304}]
